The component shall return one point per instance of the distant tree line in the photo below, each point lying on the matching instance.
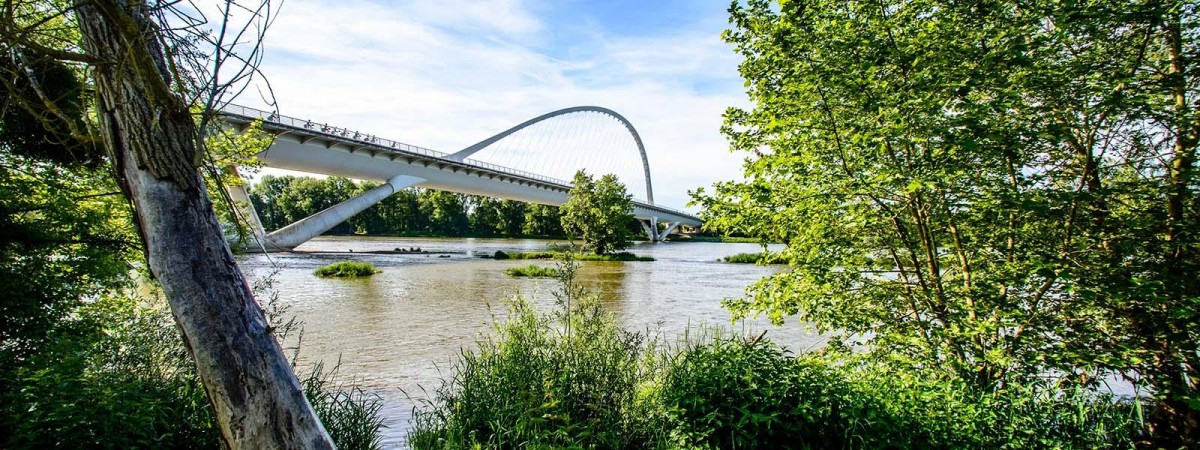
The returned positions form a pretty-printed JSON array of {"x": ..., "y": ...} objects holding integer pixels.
[{"x": 282, "y": 200}]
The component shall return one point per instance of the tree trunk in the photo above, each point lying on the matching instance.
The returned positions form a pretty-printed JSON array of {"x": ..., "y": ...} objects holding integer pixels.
[{"x": 146, "y": 127}]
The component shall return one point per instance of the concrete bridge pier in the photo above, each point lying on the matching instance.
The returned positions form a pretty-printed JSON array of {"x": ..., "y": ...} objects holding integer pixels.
[
  {"x": 291, "y": 236},
  {"x": 671, "y": 226},
  {"x": 244, "y": 208},
  {"x": 651, "y": 228}
]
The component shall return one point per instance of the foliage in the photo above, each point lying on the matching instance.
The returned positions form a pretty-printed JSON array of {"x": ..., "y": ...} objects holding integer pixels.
[
  {"x": 532, "y": 271},
  {"x": 562, "y": 254},
  {"x": 723, "y": 239},
  {"x": 542, "y": 220},
  {"x": 558, "y": 381},
  {"x": 283, "y": 200},
  {"x": 231, "y": 158},
  {"x": 748, "y": 393},
  {"x": 598, "y": 211},
  {"x": 755, "y": 258},
  {"x": 574, "y": 380},
  {"x": 64, "y": 236},
  {"x": 731, "y": 394},
  {"x": 350, "y": 415},
  {"x": 117, "y": 376},
  {"x": 347, "y": 269},
  {"x": 26, "y": 77},
  {"x": 979, "y": 189}
]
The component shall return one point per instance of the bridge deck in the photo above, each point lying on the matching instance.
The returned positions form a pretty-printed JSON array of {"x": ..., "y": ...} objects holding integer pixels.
[{"x": 307, "y": 146}]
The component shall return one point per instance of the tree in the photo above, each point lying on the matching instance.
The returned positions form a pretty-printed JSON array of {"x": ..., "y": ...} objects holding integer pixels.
[
  {"x": 985, "y": 190},
  {"x": 598, "y": 211},
  {"x": 512, "y": 217},
  {"x": 446, "y": 212},
  {"x": 485, "y": 215},
  {"x": 142, "y": 102},
  {"x": 542, "y": 220}
]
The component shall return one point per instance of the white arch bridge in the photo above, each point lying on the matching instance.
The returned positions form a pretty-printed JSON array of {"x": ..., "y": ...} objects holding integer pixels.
[{"x": 305, "y": 146}]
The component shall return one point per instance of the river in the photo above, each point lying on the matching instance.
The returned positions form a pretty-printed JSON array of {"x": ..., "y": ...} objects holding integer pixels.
[{"x": 401, "y": 330}]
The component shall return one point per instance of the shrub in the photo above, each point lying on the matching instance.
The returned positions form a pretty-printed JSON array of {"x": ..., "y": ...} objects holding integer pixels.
[
  {"x": 347, "y": 269},
  {"x": 120, "y": 377},
  {"x": 532, "y": 271},
  {"x": 500, "y": 254},
  {"x": 755, "y": 258},
  {"x": 555, "y": 254},
  {"x": 543, "y": 381},
  {"x": 736, "y": 393}
]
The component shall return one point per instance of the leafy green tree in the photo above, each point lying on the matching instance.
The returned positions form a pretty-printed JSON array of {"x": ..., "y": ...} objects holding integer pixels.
[
  {"x": 402, "y": 211},
  {"x": 485, "y": 215},
  {"x": 446, "y": 212},
  {"x": 542, "y": 220},
  {"x": 512, "y": 217},
  {"x": 983, "y": 190},
  {"x": 598, "y": 211}
]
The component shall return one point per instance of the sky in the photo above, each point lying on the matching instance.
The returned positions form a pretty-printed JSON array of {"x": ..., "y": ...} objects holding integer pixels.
[{"x": 446, "y": 74}]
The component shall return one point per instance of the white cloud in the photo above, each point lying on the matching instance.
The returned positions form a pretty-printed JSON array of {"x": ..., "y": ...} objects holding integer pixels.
[{"x": 444, "y": 75}]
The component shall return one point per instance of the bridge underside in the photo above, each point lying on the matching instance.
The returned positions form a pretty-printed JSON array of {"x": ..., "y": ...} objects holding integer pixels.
[{"x": 316, "y": 153}]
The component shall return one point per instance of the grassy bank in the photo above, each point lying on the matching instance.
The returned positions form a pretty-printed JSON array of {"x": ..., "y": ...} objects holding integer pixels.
[{"x": 347, "y": 269}]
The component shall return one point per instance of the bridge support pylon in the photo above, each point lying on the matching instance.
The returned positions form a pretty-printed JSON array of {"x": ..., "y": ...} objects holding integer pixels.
[
  {"x": 291, "y": 236},
  {"x": 671, "y": 226},
  {"x": 244, "y": 208},
  {"x": 651, "y": 228}
]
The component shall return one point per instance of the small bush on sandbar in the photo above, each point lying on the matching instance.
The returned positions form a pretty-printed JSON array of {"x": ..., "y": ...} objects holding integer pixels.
[
  {"x": 755, "y": 258},
  {"x": 347, "y": 269},
  {"x": 532, "y": 271},
  {"x": 554, "y": 254}
]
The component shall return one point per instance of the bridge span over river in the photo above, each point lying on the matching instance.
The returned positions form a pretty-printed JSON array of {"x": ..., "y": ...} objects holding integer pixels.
[{"x": 307, "y": 146}]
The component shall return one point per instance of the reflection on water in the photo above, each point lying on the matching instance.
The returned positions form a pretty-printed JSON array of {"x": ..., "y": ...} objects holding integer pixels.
[{"x": 396, "y": 330}]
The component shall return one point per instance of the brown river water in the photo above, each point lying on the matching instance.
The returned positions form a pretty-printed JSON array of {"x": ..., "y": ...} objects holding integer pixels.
[{"x": 398, "y": 332}]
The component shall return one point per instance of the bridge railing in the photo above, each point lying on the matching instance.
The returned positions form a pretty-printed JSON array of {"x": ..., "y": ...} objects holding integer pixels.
[
  {"x": 347, "y": 134},
  {"x": 326, "y": 129}
]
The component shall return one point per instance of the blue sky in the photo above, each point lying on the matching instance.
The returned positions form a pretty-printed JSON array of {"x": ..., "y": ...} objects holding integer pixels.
[{"x": 446, "y": 74}]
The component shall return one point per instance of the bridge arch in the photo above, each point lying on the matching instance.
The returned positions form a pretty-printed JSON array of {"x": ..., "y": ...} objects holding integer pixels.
[{"x": 463, "y": 154}]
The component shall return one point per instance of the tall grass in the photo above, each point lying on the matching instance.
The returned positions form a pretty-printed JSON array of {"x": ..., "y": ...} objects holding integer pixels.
[
  {"x": 350, "y": 415},
  {"x": 121, "y": 378}
]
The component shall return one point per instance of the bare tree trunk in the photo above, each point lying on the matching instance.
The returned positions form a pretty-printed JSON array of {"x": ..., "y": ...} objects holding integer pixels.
[{"x": 257, "y": 400}]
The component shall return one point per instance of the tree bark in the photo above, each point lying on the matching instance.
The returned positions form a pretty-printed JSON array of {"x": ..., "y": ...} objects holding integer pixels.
[{"x": 146, "y": 127}]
